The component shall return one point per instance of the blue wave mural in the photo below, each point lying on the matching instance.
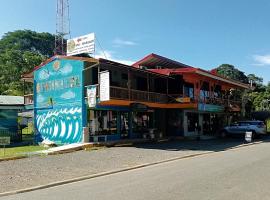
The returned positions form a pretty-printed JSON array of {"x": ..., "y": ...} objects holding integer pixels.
[
  {"x": 59, "y": 101},
  {"x": 63, "y": 124}
]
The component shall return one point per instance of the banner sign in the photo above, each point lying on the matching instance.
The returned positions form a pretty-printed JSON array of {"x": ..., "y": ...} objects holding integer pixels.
[
  {"x": 91, "y": 95},
  {"x": 104, "y": 86},
  {"x": 210, "y": 108},
  {"x": 4, "y": 141},
  {"x": 183, "y": 99},
  {"x": 82, "y": 44}
]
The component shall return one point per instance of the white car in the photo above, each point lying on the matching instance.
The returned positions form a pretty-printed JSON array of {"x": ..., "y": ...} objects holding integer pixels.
[{"x": 240, "y": 128}]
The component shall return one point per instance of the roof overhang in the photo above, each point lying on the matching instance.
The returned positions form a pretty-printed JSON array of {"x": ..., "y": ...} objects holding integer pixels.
[
  {"x": 153, "y": 60},
  {"x": 28, "y": 77},
  {"x": 219, "y": 78},
  {"x": 199, "y": 72},
  {"x": 12, "y": 107},
  {"x": 109, "y": 62}
]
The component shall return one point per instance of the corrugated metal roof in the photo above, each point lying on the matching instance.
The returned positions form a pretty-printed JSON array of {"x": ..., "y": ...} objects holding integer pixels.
[{"x": 11, "y": 100}]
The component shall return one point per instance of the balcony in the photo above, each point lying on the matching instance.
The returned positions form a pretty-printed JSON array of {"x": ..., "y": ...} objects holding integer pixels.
[{"x": 137, "y": 95}]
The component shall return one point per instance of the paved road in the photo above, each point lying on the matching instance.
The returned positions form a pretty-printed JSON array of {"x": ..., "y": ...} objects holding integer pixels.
[
  {"x": 33, "y": 171},
  {"x": 242, "y": 173}
]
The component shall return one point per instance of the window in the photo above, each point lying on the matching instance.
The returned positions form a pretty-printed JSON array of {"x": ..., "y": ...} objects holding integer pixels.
[{"x": 105, "y": 122}]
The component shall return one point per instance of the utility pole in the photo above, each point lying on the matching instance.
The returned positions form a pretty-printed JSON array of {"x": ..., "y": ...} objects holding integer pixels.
[{"x": 62, "y": 26}]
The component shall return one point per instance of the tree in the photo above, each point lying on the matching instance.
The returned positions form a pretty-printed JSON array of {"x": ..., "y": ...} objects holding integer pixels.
[
  {"x": 231, "y": 72},
  {"x": 27, "y": 40},
  {"x": 20, "y": 52},
  {"x": 252, "y": 100},
  {"x": 256, "y": 82}
]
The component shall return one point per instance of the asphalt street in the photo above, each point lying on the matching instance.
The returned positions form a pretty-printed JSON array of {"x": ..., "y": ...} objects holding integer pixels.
[{"x": 241, "y": 173}]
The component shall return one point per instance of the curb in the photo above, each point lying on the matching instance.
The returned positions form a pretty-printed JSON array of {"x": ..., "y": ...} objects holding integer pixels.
[
  {"x": 82, "y": 178},
  {"x": 12, "y": 158},
  {"x": 58, "y": 183}
]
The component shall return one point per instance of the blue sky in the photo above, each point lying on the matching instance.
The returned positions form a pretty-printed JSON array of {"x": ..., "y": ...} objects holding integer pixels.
[{"x": 203, "y": 34}]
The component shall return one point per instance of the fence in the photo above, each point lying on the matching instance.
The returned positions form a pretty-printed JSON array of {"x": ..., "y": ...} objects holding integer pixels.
[{"x": 15, "y": 136}]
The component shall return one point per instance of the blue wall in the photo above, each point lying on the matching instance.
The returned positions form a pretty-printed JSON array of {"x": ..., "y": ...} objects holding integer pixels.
[
  {"x": 58, "y": 101},
  {"x": 9, "y": 120}
]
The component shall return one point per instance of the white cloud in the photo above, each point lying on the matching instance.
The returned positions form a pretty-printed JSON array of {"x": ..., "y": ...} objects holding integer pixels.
[
  {"x": 44, "y": 74},
  {"x": 261, "y": 60},
  {"x": 120, "y": 42},
  {"x": 67, "y": 69},
  {"x": 40, "y": 98},
  {"x": 68, "y": 95},
  {"x": 110, "y": 55}
]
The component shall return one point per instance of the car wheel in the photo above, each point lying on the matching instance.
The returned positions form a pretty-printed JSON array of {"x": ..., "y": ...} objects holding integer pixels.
[{"x": 254, "y": 135}]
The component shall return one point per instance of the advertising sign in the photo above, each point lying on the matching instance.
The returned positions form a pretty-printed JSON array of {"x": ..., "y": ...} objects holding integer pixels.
[
  {"x": 104, "y": 86},
  {"x": 210, "y": 108},
  {"x": 91, "y": 95},
  {"x": 183, "y": 99},
  {"x": 248, "y": 136},
  {"x": 82, "y": 44}
]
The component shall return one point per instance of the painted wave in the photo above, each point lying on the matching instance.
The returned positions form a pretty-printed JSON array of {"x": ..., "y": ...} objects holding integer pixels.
[{"x": 63, "y": 124}]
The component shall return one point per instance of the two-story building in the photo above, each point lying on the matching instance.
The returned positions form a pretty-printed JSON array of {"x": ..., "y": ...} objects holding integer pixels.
[
  {"x": 215, "y": 107},
  {"x": 156, "y": 95}
]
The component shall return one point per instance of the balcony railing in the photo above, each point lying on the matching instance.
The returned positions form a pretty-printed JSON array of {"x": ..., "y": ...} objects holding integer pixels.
[
  {"x": 137, "y": 95},
  {"x": 28, "y": 99}
]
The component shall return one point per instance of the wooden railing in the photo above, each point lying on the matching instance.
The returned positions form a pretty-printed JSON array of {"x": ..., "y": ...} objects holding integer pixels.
[
  {"x": 28, "y": 99},
  {"x": 137, "y": 95}
]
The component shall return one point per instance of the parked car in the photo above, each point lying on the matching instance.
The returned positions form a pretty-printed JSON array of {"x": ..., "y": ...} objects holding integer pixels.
[{"x": 240, "y": 128}]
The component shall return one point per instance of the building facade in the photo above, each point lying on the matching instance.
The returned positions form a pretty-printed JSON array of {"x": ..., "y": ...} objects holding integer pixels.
[{"x": 156, "y": 97}]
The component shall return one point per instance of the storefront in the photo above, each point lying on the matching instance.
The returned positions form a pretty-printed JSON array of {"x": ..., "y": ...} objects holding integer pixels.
[
  {"x": 175, "y": 125},
  {"x": 108, "y": 123}
]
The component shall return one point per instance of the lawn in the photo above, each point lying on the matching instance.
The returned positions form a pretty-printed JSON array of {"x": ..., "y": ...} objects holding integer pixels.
[
  {"x": 28, "y": 130},
  {"x": 18, "y": 151}
]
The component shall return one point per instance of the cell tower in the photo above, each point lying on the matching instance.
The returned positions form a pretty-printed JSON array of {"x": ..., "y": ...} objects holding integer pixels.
[{"x": 62, "y": 27}]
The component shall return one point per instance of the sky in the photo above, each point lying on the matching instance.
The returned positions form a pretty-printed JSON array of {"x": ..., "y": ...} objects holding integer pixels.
[{"x": 202, "y": 34}]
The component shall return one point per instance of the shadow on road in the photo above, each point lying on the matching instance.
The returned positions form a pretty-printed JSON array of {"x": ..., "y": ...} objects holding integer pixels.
[{"x": 217, "y": 144}]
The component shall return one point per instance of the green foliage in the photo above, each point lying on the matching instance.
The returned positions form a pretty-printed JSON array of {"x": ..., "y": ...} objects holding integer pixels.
[
  {"x": 20, "y": 52},
  {"x": 256, "y": 99},
  {"x": 231, "y": 72}
]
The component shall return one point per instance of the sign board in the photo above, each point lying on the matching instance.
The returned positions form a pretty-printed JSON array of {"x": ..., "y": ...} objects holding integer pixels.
[
  {"x": 92, "y": 95},
  {"x": 82, "y": 44},
  {"x": 248, "y": 136},
  {"x": 183, "y": 99},
  {"x": 4, "y": 141},
  {"x": 104, "y": 87},
  {"x": 210, "y": 108}
]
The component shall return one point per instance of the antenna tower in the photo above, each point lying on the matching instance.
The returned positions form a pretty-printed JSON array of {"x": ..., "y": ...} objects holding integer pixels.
[{"x": 62, "y": 27}]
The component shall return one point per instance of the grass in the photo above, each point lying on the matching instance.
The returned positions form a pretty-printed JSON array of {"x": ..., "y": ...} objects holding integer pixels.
[
  {"x": 11, "y": 152},
  {"x": 28, "y": 130}
]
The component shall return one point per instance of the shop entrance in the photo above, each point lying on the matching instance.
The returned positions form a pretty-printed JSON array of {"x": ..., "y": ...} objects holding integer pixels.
[
  {"x": 206, "y": 126},
  {"x": 124, "y": 124},
  {"x": 192, "y": 121},
  {"x": 212, "y": 123},
  {"x": 142, "y": 123}
]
